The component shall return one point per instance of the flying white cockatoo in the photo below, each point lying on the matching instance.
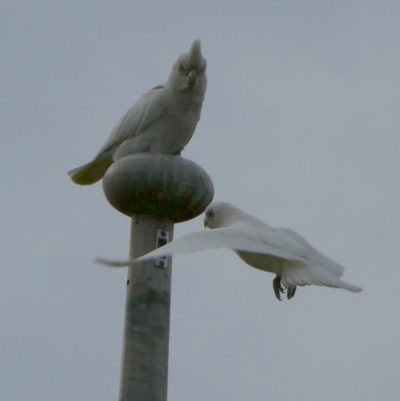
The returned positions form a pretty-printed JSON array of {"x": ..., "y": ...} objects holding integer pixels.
[
  {"x": 163, "y": 120},
  {"x": 276, "y": 250}
]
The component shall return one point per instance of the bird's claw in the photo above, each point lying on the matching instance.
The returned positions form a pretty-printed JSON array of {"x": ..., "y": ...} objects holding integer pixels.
[
  {"x": 290, "y": 292},
  {"x": 280, "y": 289}
]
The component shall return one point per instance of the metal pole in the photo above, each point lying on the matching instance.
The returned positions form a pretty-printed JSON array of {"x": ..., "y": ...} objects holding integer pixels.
[
  {"x": 144, "y": 374},
  {"x": 156, "y": 191}
]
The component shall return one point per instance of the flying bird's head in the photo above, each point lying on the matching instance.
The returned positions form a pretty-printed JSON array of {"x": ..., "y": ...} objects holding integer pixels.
[
  {"x": 189, "y": 71},
  {"x": 220, "y": 214}
]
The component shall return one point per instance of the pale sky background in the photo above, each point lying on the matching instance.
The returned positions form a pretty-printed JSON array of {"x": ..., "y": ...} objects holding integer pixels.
[{"x": 300, "y": 127}]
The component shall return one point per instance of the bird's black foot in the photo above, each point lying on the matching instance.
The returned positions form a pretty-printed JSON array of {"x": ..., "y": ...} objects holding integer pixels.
[
  {"x": 290, "y": 292},
  {"x": 278, "y": 289}
]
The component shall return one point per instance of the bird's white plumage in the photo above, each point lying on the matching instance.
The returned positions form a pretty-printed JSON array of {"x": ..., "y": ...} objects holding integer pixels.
[
  {"x": 163, "y": 120},
  {"x": 142, "y": 115},
  {"x": 277, "y": 250}
]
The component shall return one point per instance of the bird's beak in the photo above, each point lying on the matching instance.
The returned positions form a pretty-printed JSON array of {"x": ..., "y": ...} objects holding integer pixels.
[
  {"x": 205, "y": 222},
  {"x": 192, "y": 77}
]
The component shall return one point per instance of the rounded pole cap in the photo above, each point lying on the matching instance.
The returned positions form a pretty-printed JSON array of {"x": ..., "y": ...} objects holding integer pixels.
[{"x": 164, "y": 186}]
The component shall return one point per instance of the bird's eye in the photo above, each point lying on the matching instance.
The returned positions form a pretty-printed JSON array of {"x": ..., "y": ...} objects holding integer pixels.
[{"x": 210, "y": 214}]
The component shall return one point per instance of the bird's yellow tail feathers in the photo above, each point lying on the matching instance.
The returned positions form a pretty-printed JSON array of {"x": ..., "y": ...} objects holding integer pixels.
[{"x": 91, "y": 172}]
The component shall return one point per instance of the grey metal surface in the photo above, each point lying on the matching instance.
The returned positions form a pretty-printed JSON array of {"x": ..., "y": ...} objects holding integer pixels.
[{"x": 146, "y": 333}]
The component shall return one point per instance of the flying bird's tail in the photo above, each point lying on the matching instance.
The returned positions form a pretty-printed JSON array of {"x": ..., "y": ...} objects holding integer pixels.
[
  {"x": 348, "y": 286},
  {"x": 91, "y": 172},
  {"x": 313, "y": 272}
]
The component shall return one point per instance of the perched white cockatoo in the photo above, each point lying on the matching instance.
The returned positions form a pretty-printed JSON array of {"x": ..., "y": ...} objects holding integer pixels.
[
  {"x": 163, "y": 120},
  {"x": 276, "y": 250}
]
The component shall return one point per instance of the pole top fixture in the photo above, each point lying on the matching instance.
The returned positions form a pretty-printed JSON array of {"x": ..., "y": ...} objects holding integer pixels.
[{"x": 164, "y": 186}]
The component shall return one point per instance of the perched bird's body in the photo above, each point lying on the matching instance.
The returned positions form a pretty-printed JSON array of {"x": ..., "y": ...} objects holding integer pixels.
[
  {"x": 276, "y": 250},
  {"x": 163, "y": 120}
]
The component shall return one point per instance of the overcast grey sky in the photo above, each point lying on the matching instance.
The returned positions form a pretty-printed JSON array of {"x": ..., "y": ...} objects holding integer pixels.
[{"x": 300, "y": 127}]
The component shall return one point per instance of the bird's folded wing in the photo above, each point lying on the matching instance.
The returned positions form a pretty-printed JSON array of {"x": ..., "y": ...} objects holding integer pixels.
[
  {"x": 226, "y": 237},
  {"x": 146, "y": 111}
]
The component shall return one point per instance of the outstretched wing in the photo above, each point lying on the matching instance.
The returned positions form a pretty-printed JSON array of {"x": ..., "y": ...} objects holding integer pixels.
[{"x": 227, "y": 237}]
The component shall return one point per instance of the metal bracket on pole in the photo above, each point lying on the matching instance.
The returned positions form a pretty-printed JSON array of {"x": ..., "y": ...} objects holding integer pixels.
[{"x": 162, "y": 238}]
